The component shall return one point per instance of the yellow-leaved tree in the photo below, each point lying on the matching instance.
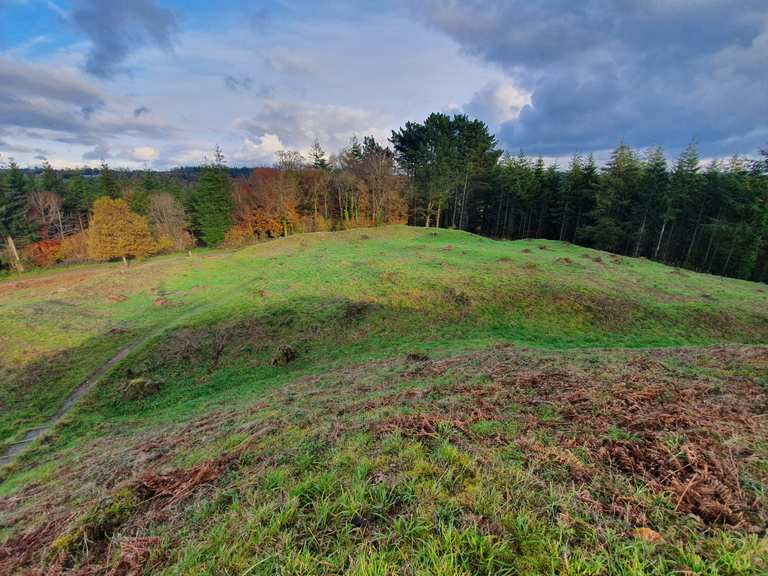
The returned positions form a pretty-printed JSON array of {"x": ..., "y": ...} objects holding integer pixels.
[{"x": 116, "y": 232}]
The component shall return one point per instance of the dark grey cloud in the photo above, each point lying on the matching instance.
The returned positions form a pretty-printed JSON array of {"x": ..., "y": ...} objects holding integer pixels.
[
  {"x": 238, "y": 83},
  {"x": 140, "y": 110},
  {"x": 63, "y": 105},
  {"x": 8, "y": 147},
  {"x": 116, "y": 28},
  {"x": 22, "y": 80},
  {"x": 99, "y": 152},
  {"x": 646, "y": 71}
]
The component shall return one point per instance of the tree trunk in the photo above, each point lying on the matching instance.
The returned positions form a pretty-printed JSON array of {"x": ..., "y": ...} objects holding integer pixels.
[
  {"x": 463, "y": 200},
  {"x": 125, "y": 261},
  {"x": 665, "y": 257},
  {"x": 461, "y": 215},
  {"x": 14, "y": 254},
  {"x": 578, "y": 223},
  {"x": 728, "y": 260},
  {"x": 437, "y": 217},
  {"x": 498, "y": 218},
  {"x": 453, "y": 212},
  {"x": 693, "y": 238},
  {"x": 661, "y": 237},
  {"x": 705, "y": 263},
  {"x": 429, "y": 213},
  {"x": 562, "y": 222},
  {"x": 640, "y": 237},
  {"x": 61, "y": 225}
]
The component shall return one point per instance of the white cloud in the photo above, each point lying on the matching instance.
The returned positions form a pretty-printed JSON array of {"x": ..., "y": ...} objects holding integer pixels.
[
  {"x": 298, "y": 124},
  {"x": 145, "y": 153},
  {"x": 498, "y": 102},
  {"x": 306, "y": 79}
]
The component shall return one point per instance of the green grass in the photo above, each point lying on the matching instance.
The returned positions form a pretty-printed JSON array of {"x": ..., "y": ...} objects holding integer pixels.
[
  {"x": 415, "y": 289},
  {"x": 316, "y": 488}
]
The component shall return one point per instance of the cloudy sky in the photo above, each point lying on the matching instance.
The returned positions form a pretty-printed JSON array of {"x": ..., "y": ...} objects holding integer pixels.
[{"x": 161, "y": 82}]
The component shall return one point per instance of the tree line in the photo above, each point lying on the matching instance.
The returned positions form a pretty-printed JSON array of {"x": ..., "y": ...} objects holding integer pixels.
[
  {"x": 447, "y": 171},
  {"x": 49, "y": 216},
  {"x": 709, "y": 217}
]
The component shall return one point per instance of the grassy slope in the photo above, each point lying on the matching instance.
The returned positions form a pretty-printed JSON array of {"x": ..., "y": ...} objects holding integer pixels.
[{"x": 301, "y": 468}]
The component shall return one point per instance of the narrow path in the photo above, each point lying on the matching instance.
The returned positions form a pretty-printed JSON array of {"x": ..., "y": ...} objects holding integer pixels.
[
  {"x": 17, "y": 447},
  {"x": 69, "y": 403}
]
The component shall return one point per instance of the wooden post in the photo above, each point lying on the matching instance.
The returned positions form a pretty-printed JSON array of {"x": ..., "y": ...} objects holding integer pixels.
[{"x": 14, "y": 254}]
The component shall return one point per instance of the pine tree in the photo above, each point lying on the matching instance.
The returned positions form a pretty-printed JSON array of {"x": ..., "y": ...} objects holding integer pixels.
[
  {"x": 355, "y": 149},
  {"x": 650, "y": 213},
  {"x": 14, "y": 213},
  {"x": 50, "y": 180},
  {"x": 317, "y": 155},
  {"x": 618, "y": 188},
  {"x": 685, "y": 207},
  {"x": 108, "y": 185},
  {"x": 212, "y": 203}
]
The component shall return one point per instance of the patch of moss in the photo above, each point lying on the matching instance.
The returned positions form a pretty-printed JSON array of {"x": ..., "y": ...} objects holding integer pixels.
[{"x": 100, "y": 522}]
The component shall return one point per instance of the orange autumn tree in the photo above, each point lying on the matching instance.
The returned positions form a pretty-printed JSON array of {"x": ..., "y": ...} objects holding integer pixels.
[{"x": 116, "y": 232}]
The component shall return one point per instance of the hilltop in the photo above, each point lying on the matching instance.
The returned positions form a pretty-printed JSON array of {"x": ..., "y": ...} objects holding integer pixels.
[{"x": 386, "y": 401}]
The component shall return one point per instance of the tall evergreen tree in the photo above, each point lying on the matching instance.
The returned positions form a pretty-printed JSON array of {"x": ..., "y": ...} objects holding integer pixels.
[
  {"x": 317, "y": 156},
  {"x": 212, "y": 202},
  {"x": 649, "y": 206},
  {"x": 108, "y": 185},
  {"x": 619, "y": 186},
  {"x": 50, "y": 180},
  {"x": 15, "y": 224}
]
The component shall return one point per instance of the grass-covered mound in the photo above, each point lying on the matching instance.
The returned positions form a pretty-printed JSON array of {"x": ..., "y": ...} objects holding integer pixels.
[{"x": 388, "y": 401}]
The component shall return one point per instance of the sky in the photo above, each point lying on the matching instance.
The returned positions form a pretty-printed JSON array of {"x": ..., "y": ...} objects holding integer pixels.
[{"x": 160, "y": 83}]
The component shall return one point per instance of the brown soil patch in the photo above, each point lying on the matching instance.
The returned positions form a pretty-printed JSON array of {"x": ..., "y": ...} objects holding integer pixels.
[{"x": 60, "y": 280}]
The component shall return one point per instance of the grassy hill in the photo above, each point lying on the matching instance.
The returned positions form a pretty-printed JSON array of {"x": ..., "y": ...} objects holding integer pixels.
[{"x": 387, "y": 401}]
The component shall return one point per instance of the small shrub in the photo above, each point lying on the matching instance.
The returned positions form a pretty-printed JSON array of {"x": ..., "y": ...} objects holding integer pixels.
[
  {"x": 417, "y": 357},
  {"x": 73, "y": 248},
  {"x": 285, "y": 355},
  {"x": 240, "y": 235},
  {"x": 43, "y": 253},
  {"x": 138, "y": 388}
]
